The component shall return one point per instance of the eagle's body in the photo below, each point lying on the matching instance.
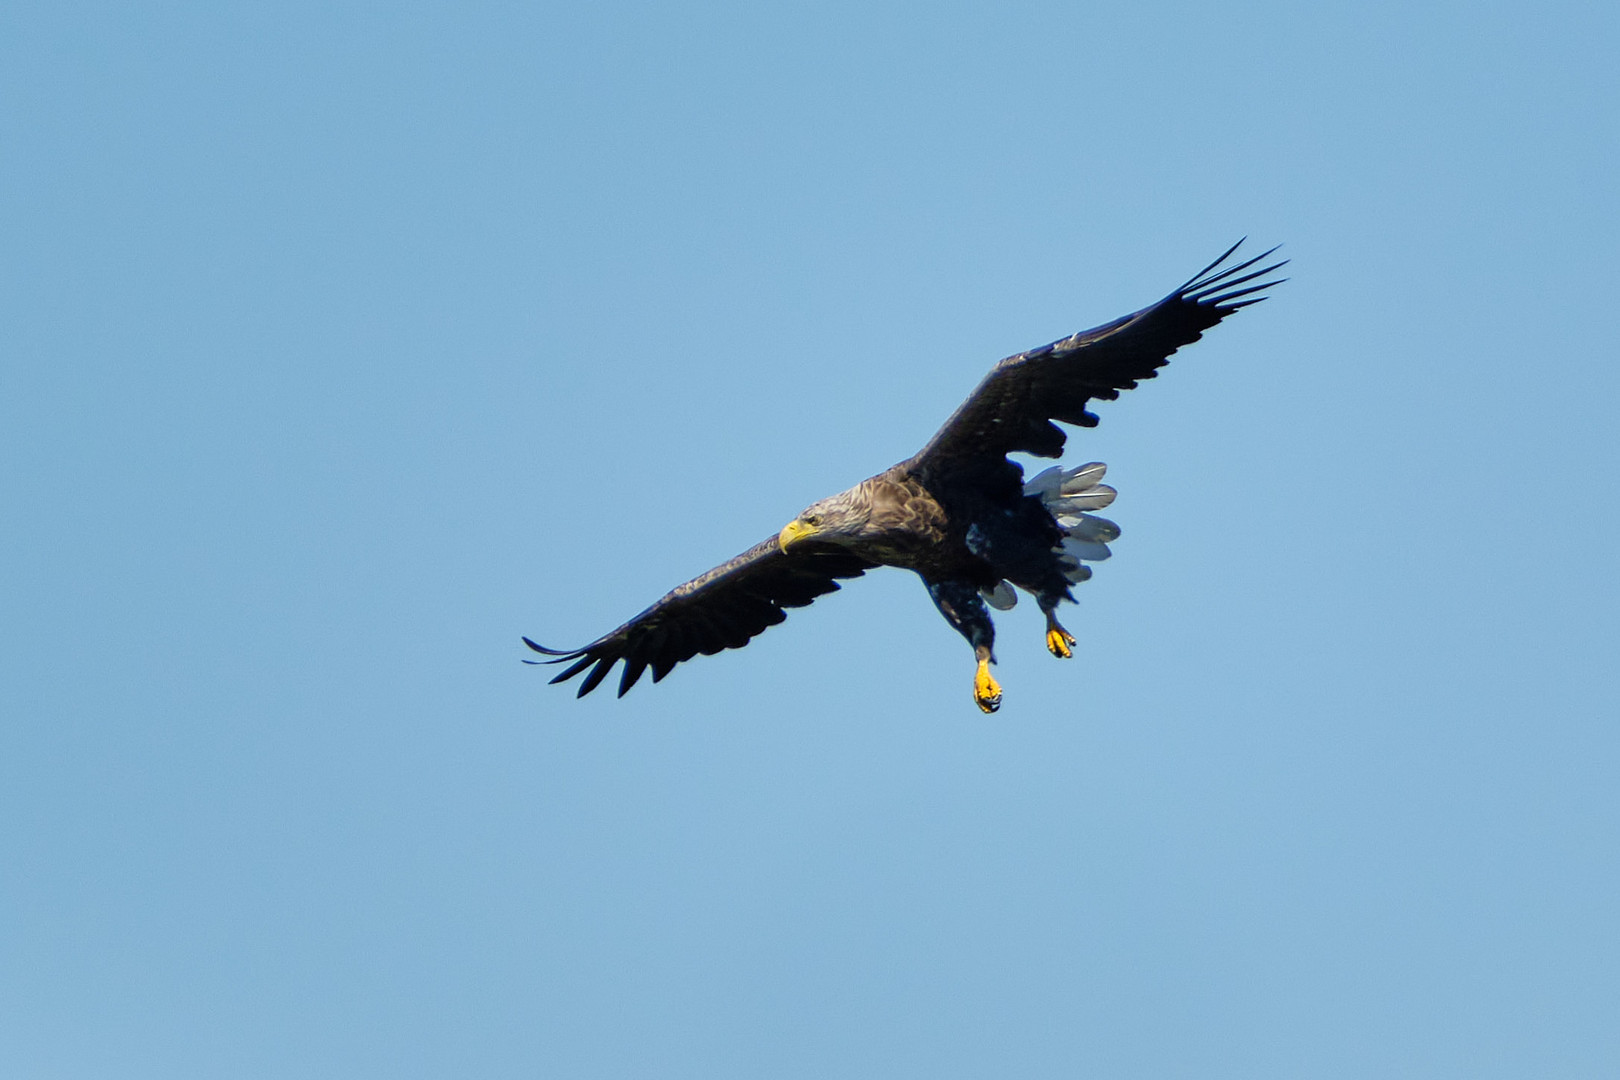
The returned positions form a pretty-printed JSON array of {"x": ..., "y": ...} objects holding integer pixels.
[{"x": 958, "y": 513}]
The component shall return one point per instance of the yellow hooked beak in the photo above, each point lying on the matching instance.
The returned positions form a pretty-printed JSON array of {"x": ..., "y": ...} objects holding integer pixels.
[{"x": 793, "y": 532}]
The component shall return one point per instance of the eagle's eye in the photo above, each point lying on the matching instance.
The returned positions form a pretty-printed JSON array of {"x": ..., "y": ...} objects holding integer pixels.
[{"x": 813, "y": 520}]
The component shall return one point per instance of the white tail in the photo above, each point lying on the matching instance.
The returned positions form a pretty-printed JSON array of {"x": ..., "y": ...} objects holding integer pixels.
[
  {"x": 1067, "y": 495},
  {"x": 1002, "y": 597}
]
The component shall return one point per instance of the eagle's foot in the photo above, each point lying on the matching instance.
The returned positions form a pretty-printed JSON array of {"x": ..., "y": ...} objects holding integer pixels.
[
  {"x": 986, "y": 691},
  {"x": 1059, "y": 642}
]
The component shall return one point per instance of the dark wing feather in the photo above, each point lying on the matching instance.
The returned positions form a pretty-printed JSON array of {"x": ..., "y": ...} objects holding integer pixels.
[
  {"x": 1013, "y": 408},
  {"x": 722, "y": 609}
]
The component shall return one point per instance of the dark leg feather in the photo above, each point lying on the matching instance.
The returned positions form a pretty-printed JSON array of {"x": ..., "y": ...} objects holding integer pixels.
[{"x": 964, "y": 609}]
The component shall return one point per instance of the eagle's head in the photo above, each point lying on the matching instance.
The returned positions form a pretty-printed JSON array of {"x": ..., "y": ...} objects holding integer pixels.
[{"x": 837, "y": 519}]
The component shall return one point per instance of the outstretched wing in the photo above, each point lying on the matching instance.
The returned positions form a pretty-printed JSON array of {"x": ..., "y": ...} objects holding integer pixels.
[
  {"x": 1013, "y": 408},
  {"x": 722, "y": 609}
]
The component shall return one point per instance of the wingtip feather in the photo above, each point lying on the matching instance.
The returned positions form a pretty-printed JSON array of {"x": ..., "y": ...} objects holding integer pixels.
[
  {"x": 573, "y": 669},
  {"x": 1213, "y": 278},
  {"x": 1224, "y": 256}
]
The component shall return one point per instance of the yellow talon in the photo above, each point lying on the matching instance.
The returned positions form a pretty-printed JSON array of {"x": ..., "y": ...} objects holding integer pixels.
[
  {"x": 986, "y": 691},
  {"x": 1059, "y": 641}
]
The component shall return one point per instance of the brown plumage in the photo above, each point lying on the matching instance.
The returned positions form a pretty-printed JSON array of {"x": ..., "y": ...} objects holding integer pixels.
[{"x": 958, "y": 512}]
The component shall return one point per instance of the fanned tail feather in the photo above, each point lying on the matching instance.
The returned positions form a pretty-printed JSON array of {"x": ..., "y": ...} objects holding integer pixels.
[
  {"x": 1067, "y": 495},
  {"x": 1002, "y": 597}
]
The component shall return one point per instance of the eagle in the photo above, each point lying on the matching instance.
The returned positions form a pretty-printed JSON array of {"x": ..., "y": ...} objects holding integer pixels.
[{"x": 958, "y": 513}]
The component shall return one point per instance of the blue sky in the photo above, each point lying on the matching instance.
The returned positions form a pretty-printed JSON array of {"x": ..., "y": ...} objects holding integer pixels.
[{"x": 344, "y": 346}]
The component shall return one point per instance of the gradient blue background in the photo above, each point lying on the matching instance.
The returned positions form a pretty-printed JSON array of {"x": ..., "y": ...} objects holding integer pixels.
[{"x": 343, "y": 345}]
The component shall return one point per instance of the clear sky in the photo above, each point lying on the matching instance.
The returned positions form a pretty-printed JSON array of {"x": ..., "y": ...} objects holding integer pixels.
[{"x": 342, "y": 346}]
